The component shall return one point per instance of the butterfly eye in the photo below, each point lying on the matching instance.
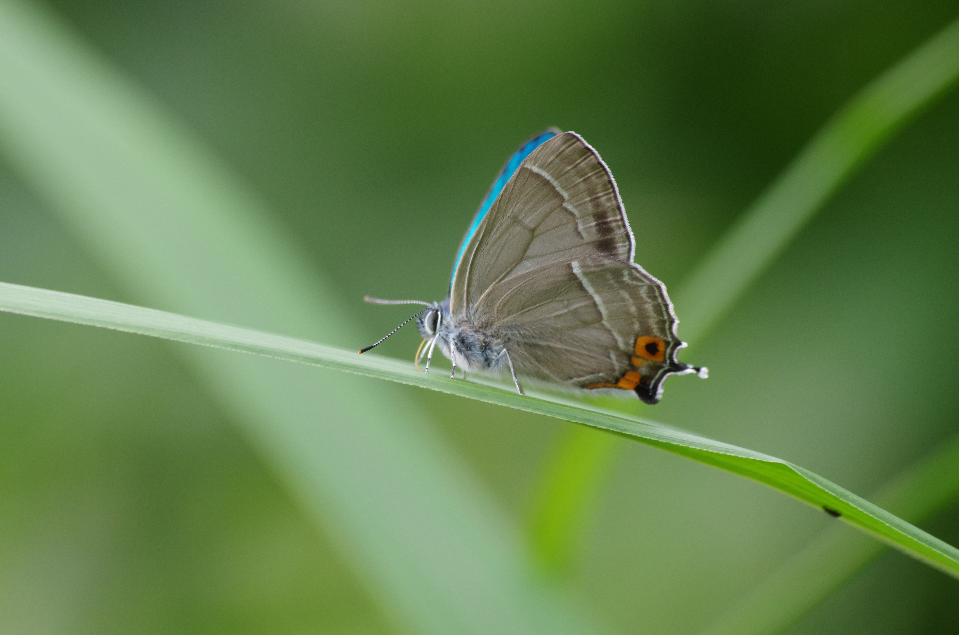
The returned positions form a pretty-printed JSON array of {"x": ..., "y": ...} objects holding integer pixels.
[{"x": 431, "y": 318}]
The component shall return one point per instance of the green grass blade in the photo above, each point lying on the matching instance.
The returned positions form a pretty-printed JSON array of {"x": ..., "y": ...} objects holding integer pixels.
[
  {"x": 176, "y": 229},
  {"x": 869, "y": 119},
  {"x": 791, "y": 479},
  {"x": 812, "y": 573}
]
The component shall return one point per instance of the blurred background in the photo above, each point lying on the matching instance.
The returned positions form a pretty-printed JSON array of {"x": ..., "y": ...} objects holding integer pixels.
[{"x": 147, "y": 487}]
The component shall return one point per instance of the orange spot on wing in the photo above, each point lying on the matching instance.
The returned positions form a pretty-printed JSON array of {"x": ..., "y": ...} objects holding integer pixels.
[
  {"x": 650, "y": 348},
  {"x": 629, "y": 380},
  {"x": 647, "y": 348}
]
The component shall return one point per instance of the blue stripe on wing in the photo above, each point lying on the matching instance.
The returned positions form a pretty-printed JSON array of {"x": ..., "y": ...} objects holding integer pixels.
[{"x": 503, "y": 177}]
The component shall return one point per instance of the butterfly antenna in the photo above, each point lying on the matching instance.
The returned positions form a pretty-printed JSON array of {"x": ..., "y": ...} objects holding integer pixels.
[
  {"x": 382, "y": 339},
  {"x": 394, "y": 302}
]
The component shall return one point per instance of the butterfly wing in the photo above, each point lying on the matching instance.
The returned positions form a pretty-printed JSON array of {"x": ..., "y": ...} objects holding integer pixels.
[
  {"x": 497, "y": 186},
  {"x": 550, "y": 272}
]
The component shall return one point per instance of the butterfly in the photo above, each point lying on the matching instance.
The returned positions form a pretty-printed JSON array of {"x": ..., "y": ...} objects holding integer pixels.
[{"x": 544, "y": 283}]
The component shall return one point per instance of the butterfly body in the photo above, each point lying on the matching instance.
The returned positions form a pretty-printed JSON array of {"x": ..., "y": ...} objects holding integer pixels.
[
  {"x": 545, "y": 284},
  {"x": 467, "y": 346}
]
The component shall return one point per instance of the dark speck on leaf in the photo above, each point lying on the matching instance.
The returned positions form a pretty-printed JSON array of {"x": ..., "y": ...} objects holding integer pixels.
[{"x": 831, "y": 512}]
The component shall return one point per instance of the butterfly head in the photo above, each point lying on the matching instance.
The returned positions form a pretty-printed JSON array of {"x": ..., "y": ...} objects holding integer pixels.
[{"x": 430, "y": 320}]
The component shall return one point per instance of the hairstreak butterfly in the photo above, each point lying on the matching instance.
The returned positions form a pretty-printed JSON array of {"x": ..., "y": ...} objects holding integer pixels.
[{"x": 545, "y": 286}]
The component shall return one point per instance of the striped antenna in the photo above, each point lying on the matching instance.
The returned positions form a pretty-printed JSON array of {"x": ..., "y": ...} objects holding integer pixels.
[
  {"x": 382, "y": 339},
  {"x": 394, "y": 302}
]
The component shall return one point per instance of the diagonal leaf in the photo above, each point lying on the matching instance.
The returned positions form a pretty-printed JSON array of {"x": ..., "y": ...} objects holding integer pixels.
[
  {"x": 786, "y": 477},
  {"x": 810, "y": 574},
  {"x": 860, "y": 127}
]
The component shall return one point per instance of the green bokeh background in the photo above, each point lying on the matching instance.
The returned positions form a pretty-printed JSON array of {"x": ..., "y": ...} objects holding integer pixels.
[{"x": 131, "y": 502}]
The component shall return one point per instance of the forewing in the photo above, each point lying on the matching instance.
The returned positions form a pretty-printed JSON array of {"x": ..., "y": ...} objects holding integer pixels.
[{"x": 560, "y": 205}]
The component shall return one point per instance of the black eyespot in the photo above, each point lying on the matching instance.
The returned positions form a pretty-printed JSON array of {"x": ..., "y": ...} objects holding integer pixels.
[{"x": 652, "y": 348}]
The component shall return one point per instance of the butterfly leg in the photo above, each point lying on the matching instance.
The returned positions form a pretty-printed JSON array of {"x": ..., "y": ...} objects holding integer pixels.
[
  {"x": 420, "y": 353},
  {"x": 514, "y": 377},
  {"x": 427, "y": 366},
  {"x": 454, "y": 368}
]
